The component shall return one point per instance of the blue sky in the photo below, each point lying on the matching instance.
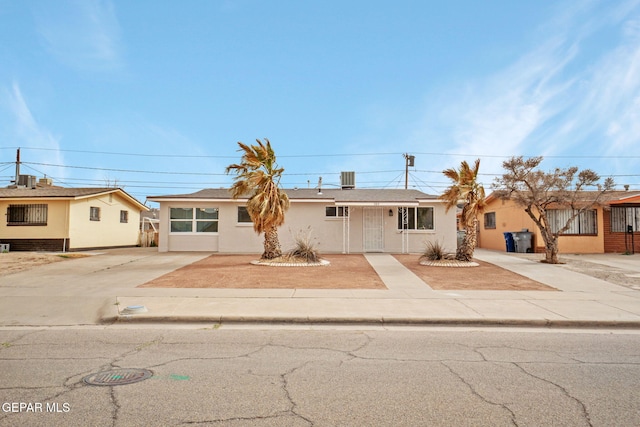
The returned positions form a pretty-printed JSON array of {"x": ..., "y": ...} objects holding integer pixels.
[{"x": 154, "y": 95}]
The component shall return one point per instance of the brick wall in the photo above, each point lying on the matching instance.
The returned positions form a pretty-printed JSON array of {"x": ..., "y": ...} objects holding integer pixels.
[
  {"x": 46, "y": 245},
  {"x": 615, "y": 242}
]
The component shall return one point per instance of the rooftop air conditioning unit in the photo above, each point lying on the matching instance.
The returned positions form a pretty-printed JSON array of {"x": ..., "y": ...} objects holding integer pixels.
[
  {"x": 46, "y": 182},
  {"x": 28, "y": 181},
  {"x": 347, "y": 180}
]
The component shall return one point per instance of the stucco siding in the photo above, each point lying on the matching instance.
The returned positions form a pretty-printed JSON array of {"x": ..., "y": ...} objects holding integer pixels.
[
  {"x": 56, "y": 221},
  {"x": 331, "y": 234},
  {"x": 326, "y": 232},
  {"x": 234, "y": 237},
  {"x": 108, "y": 230},
  {"x": 509, "y": 217},
  {"x": 193, "y": 241}
]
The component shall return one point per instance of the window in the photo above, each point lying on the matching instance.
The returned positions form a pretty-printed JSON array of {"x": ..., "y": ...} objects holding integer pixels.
[
  {"x": 490, "y": 220},
  {"x": 336, "y": 211},
  {"x": 415, "y": 219},
  {"x": 621, "y": 217},
  {"x": 585, "y": 223},
  {"x": 27, "y": 214},
  {"x": 243, "y": 215},
  {"x": 190, "y": 220},
  {"x": 94, "y": 213},
  {"x": 124, "y": 216}
]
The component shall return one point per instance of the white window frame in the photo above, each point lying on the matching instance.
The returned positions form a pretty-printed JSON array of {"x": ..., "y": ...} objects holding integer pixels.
[
  {"x": 412, "y": 210},
  {"x": 124, "y": 216},
  {"x": 242, "y": 223},
  {"x": 338, "y": 212},
  {"x": 194, "y": 220}
]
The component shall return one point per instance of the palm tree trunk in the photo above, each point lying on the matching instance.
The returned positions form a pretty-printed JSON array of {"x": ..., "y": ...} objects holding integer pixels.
[
  {"x": 271, "y": 244},
  {"x": 465, "y": 251}
]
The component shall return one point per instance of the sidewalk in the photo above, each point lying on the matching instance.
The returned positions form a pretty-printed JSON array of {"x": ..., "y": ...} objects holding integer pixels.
[{"x": 98, "y": 289}]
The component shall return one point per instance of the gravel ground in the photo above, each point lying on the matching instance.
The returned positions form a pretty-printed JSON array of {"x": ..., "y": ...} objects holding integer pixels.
[
  {"x": 607, "y": 273},
  {"x": 14, "y": 262}
]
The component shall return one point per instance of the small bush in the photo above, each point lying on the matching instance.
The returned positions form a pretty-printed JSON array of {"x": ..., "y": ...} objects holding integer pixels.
[
  {"x": 434, "y": 251},
  {"x": 305, "y": 247}
]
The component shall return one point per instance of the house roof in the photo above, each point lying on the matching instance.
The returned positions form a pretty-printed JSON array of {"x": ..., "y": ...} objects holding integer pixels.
[
  {"x": 626, "y": 198},
  {"x": 64, "y": 194},
  {"x": 609, "y": 198},
  {"x": 339, "y": 196}
]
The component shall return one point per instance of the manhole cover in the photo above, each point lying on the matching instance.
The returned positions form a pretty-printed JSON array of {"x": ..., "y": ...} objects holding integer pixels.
[{"x": 118, "y": 377}]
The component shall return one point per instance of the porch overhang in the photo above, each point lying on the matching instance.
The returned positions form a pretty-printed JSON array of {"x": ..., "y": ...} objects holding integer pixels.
[{"x": 379, "y": 204}]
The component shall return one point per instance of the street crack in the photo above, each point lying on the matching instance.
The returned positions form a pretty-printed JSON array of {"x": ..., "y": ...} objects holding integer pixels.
[
  {"x": 480, "y": 396},
  {"x": 581, "y": 405}
]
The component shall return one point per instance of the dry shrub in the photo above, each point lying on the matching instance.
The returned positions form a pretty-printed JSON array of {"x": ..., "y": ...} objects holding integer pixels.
[
  {"x": 305, "y": 247},
  {"x": 434, "y": 251}
]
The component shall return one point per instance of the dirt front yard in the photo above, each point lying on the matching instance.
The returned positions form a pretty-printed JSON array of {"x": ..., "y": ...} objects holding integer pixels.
[
  {"x": 237, "y": 272},
  {"x": 344, "y": 272},
  {"x": 484, "y": 277}
]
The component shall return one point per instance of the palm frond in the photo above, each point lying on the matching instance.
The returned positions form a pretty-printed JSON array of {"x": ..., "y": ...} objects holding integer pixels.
[
  {"x": 465, "y": 189},
  {"x": 258, "y": 177}
]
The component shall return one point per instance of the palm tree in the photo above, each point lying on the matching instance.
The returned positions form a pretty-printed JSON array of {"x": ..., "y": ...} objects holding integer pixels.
[
  {"x": 465, "y": 189},
  {"x": 258, "y": 177}
]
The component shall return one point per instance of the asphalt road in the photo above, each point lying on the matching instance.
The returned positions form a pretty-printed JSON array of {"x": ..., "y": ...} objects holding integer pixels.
[{"x": 321, "y": 377}]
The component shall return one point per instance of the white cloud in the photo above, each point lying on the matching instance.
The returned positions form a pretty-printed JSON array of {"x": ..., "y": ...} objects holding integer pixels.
[
  {"x": 562, "y": 97},
  {"x": 29, "y": 133},
  {"x": 82, "y": 34}
]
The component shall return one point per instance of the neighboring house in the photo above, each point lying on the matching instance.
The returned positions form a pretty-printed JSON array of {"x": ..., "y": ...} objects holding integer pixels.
[
  {"x": 149, "y": 222},
  {"x": 599, "y": 230},
  {"x": 65, "y": 219},
  {"x": 340, "y": 220}
]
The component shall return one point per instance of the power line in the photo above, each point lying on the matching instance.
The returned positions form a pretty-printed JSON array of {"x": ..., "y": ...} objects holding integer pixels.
[
  {"x": 192, "y": 156},
  {"x": 224, "y": 174},
  {"x": 125, "y": 170}
]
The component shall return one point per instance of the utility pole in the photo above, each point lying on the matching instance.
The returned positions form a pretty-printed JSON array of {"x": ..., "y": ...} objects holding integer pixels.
[
  {"x": 409, "y": 159},
  {"x": 17, "y": 167}
]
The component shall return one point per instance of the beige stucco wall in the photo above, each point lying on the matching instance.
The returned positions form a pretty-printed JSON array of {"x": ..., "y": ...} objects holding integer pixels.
[
  {"x": 56, "y": 221},
  {"x": 330, "y": 234},
  {"x": 109, "y": 231},
  {"x": 510, "y": 217}
]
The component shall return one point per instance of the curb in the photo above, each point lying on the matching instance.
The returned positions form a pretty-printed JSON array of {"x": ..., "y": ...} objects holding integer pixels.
[{"x": 524, "y": 323}]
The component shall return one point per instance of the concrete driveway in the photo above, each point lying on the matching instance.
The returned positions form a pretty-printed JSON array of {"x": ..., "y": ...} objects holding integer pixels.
[{"x": 83, "y": 290}]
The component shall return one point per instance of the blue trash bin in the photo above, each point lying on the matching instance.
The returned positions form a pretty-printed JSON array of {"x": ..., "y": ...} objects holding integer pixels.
[{"x": 509, "y": 242}]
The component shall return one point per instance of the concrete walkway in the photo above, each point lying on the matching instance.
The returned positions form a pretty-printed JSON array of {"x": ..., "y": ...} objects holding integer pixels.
[{"x": 97, "y": 289}]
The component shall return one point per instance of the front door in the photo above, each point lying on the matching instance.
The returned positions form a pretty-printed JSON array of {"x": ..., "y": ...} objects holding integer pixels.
[{"x": 373, "y": 229}]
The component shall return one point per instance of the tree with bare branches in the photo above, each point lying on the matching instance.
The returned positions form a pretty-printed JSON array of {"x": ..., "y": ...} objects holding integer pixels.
[{"x": 538, "y": 192}]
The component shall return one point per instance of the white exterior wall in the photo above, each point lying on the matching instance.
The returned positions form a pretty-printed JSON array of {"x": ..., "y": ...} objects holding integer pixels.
[
  {"x": 109, "y": 231},
  {"x": 444, "y": 231},
  {"x": 236, "y": 237},
  {"x": 327, "y": 232},
  {"x": 180, "y": 242}
]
